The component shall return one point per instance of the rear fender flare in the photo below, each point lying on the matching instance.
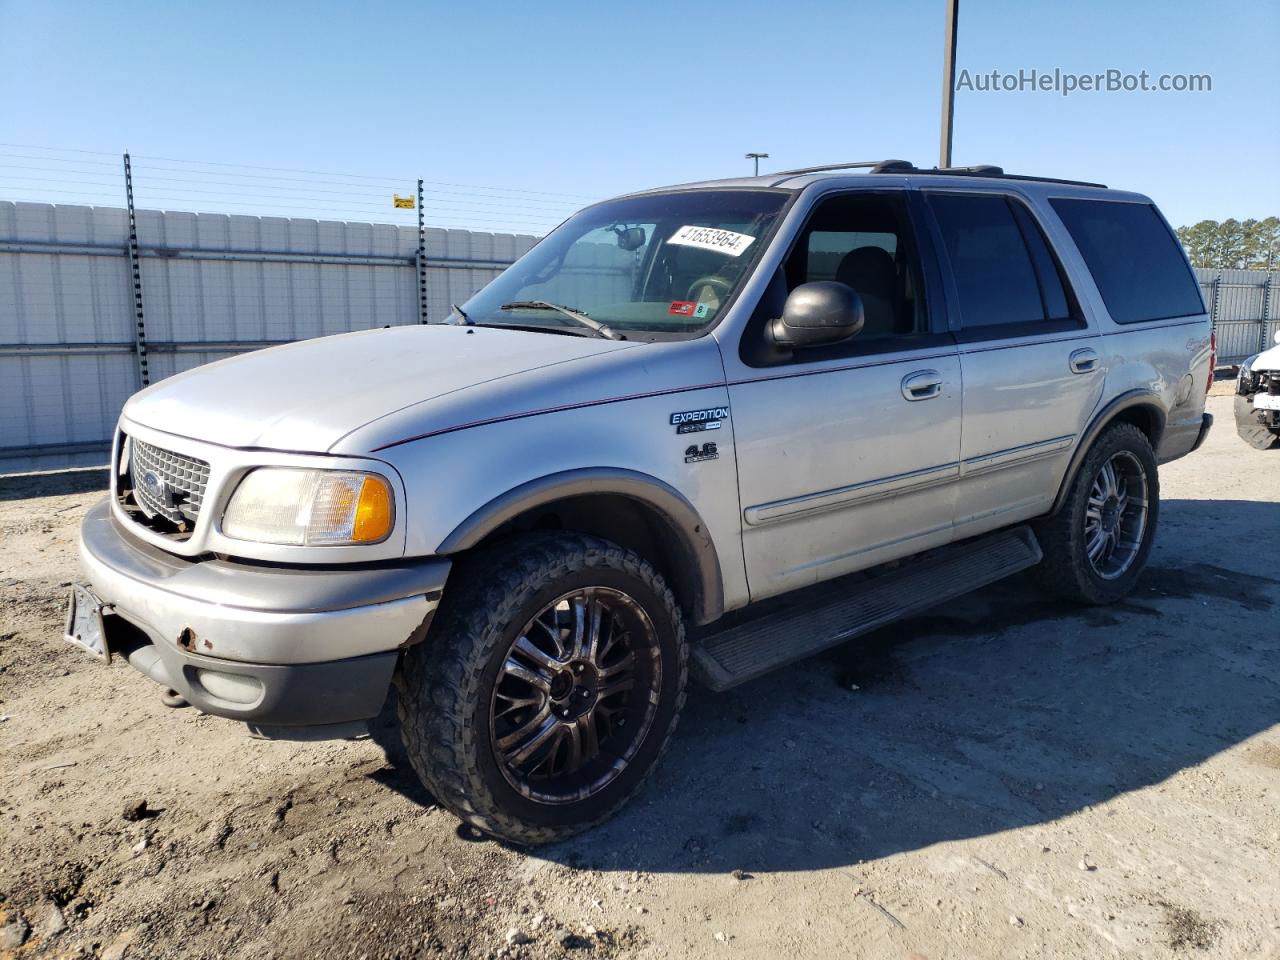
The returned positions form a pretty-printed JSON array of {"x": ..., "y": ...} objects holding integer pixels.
[{"x": 1129, "y": 400}]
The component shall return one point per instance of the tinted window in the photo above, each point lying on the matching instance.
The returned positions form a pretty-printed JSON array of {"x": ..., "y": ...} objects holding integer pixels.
[
  {"x": 1052, "y": 291},
  {"x": 995, "y": 281},
  {"x": 1135, "y": 261},
  {"x": 828, "y": 247}
]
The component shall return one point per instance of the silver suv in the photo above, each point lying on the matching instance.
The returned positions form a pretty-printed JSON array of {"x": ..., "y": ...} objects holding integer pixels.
[{"x": 532, "y": 519}]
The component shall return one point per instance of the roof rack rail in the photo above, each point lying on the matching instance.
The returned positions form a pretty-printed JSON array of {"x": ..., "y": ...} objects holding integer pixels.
[
  {"x": 906, "y": 167},
  {"x": 990, "y": 170},
  {"x": 873, "y": 165}
]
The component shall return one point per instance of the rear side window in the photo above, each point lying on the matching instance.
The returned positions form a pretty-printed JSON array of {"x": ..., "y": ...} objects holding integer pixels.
[
  {"x": 1004, "y": 272},
  {"x": 1135, "y": 260}
]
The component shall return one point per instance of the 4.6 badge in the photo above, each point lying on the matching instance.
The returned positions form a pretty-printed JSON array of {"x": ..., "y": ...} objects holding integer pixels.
[{"x": 696, "y": 454}]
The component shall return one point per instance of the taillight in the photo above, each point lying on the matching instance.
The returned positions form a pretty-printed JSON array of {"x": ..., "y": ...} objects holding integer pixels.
[{"x": 1213, "y": 359}]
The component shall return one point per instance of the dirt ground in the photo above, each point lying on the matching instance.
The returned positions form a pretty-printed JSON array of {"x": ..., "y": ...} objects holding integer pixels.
[{"x": 1008, "y": 777}]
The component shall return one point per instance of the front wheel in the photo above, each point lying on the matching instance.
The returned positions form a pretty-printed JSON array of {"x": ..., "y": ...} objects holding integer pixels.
[
  {"x": 1096, "y": 546},
  {"x": 548, "y": 688}
]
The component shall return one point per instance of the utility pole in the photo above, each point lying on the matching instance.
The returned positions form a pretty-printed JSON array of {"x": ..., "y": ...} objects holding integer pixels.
[
  {"x": 948, "y": 81},
  {"x": 757, "y": 157}
]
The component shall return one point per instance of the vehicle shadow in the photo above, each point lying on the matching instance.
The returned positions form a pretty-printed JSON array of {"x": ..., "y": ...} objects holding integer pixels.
[
  {"x": 398, "y": 775},
  {"x": 1002, "y": 710},
  {"x": 24, "y": 486}
]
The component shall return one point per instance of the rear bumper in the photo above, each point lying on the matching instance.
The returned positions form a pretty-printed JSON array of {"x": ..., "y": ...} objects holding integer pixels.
[
  {"x": 269, "y": 645},
  {"x": 1205, "y": 425},
  {"x": 1183, "y": 436}
]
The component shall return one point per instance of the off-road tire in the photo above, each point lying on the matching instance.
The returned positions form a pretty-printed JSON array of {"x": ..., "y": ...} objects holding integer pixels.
[
  {"x": 445, "y": 684},
  {"x": 1066, "y": 570}
]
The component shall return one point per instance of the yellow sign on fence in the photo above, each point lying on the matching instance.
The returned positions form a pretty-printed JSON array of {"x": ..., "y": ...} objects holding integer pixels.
[{"x": 402, "y": 203}]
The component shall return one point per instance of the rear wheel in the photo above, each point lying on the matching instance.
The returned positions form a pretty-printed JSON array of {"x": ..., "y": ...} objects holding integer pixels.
[
  {"x": 549, "y": 687},
  {"x": 1096, "y": 546}
]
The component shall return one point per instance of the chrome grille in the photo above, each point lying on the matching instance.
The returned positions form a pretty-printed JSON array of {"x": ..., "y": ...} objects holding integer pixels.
[{"x": 166, "y": 484}]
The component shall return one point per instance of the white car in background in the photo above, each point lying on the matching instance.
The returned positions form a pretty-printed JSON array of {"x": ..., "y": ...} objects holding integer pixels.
[{"x": 1258, "y": 399}]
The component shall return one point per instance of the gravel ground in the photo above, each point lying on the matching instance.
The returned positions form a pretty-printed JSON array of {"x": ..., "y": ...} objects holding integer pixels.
[{"x": 1008, "y": 777}]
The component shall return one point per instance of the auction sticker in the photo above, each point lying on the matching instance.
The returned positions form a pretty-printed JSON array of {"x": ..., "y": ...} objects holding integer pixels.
[
  {"x": 682, "y": 308},
  {"x": 710, "y": 238}
]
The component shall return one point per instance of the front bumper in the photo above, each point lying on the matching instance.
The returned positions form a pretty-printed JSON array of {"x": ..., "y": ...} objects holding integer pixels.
[
  {"x": 269, "y": 645},
  {"x": 1258, "y": 428}
]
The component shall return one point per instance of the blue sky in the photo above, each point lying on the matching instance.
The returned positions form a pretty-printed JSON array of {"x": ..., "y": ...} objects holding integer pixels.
[{"x": 592, "y": 99}]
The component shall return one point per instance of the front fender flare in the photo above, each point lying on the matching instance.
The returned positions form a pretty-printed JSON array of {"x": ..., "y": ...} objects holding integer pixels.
[{"x": 680, "y": 515}]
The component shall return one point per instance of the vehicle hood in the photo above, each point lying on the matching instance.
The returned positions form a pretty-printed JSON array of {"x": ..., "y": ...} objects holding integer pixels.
[
  {"x": 306, "y": 396},
  {"x": 1267, "y": 360}
]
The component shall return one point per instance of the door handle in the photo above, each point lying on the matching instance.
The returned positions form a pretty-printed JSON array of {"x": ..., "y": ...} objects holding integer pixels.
[
  {"x": 1084, "y": 360},
  {"x": 922, "y": 385}
]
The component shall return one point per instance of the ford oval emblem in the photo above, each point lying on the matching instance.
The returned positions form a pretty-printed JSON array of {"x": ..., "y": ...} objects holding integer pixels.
[{"x": 154, "y": 487}]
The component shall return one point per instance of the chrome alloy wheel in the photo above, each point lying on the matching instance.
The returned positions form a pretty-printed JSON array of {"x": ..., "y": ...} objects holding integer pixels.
[
  {"x": 576, "y": 695},
  {"x": 1115, "y": 519}
]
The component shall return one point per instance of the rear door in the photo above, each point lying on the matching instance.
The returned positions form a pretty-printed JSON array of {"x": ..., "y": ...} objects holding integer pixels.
[{"x": 1031, "y": 360}]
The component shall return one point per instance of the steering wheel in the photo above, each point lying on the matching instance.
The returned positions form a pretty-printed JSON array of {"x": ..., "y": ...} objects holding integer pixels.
[{"x": 711, "y": 289}]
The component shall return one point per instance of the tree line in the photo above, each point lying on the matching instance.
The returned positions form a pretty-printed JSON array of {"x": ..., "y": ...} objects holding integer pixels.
[{"x": 1237, "y": 244}]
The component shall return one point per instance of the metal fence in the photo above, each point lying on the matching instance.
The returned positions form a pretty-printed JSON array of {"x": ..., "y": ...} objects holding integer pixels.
[
  {"x": 1244, "y": 308},
  {"x": 88, "y": 316},
  {"x": 93, "y": 307}
]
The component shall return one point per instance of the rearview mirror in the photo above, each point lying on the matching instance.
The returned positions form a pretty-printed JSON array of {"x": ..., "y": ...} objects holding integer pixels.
[
  {"x": 818, "y": 314},
  {"x": 630, "y": 238}
]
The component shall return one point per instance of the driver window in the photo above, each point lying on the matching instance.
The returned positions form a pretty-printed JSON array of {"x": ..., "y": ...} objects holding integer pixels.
[{"x": 864, "y": 240}]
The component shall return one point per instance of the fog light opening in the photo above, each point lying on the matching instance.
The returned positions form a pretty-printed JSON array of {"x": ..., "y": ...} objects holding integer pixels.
[{"x": 231, "y": 687}]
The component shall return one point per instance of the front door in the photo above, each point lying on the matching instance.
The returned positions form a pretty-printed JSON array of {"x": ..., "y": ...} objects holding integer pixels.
[{"x": 847, "y": 455}]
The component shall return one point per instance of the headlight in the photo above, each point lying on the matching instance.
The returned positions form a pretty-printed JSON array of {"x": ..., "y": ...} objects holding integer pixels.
[
  {"x": 1244, "y": 379},
  {"x": 310, "y": 507}
]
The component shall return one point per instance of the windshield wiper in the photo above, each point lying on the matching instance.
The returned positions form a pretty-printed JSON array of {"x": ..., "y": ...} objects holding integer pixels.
[{"x": 595, "y": 326}]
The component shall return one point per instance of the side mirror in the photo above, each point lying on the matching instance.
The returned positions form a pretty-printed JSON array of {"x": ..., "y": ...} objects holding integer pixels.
[{"x": 818, "y": 314}]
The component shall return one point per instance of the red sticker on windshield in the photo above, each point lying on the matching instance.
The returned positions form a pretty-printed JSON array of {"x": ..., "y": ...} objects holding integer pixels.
[{"x": 682, "y": 308}]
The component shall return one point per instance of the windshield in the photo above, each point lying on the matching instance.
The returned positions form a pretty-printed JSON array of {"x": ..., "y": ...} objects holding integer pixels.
[{"x": 644, "y": 266}]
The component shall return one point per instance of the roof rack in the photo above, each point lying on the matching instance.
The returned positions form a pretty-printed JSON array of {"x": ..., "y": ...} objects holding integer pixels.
[
  {"x": 906, "y": 167},
  {"x": 874, "y": 166}
]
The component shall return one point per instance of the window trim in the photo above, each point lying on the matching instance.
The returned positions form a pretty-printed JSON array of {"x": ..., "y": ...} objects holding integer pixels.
[
  {"x": 1186, "y": 261},
  {"x": 935, "y": 333},
  {"x": 1077, "y": 321}
]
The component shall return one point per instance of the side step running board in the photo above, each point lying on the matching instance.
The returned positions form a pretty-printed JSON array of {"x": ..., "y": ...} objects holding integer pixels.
[{"x": 741, "y": 653}]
